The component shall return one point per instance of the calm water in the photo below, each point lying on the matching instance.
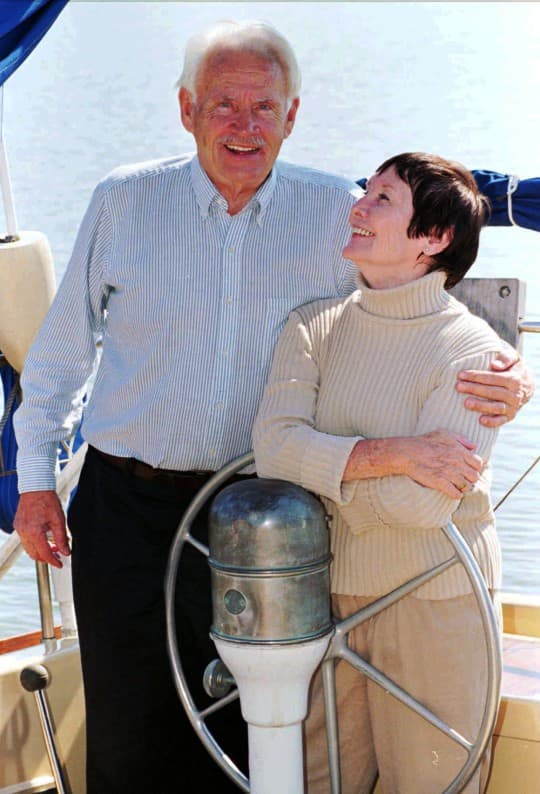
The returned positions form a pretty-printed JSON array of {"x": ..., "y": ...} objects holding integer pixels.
[{"x": 460, "y": 79}]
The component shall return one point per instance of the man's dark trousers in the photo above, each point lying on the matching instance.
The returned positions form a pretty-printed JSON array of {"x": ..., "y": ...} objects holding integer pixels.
[{"x": 138, "y": 737}]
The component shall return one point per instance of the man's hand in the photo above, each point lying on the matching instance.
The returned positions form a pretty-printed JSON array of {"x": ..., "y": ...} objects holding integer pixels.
[
  {"x": 41, "y": 526},
  {"x": 441, "y": 460},
  {"x": 499, "y": 394}
]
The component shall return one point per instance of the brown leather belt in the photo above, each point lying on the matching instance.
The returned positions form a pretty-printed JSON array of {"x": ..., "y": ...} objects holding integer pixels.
[{"x": 146, "y": 472}]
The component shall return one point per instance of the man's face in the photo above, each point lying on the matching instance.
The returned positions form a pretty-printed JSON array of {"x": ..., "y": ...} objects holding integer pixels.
[{"x": 239, "y": 119}]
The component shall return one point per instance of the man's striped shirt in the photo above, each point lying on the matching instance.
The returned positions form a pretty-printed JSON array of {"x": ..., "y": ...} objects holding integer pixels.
[{"x": 189, "y": 302}]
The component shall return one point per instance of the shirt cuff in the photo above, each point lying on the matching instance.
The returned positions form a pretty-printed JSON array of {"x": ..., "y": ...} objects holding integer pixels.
[{"x": 36, "y": 474}]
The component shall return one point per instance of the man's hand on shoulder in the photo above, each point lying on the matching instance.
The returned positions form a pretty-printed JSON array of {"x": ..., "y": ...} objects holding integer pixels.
[
  {"x": 499, "y": 393},
  {"x": 41, "y": 526}
]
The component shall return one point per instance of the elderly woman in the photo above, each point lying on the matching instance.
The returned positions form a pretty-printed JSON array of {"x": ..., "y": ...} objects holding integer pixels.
[{"x": 382, "y": 364}]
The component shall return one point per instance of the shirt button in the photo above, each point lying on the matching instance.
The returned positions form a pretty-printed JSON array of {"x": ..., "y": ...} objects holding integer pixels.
[
  {"x": 219, "y": 405},
  {"x": 229, "y": 299},
  {"x": 212, "y": 453},
  {"x": 232, "y": 250},
  {"x": 225, "y": 353}
]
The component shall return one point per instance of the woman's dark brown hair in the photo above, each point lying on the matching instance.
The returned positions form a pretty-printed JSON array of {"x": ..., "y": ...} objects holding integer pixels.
[{"x": 445, "y": 198}]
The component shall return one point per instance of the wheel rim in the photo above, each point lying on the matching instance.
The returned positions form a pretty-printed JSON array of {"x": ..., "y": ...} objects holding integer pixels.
[{"x": 338, "y": 649}]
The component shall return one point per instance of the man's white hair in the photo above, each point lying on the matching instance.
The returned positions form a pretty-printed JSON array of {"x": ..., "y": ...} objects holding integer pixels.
[{"x": 251, "y": 36}]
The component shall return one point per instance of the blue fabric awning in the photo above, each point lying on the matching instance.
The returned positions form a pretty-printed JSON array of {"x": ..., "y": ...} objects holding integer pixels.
[
  {"x": 9, "y": 494},
  {"x": 23, "y": 23},
  {"x": 513, "y": 201}
]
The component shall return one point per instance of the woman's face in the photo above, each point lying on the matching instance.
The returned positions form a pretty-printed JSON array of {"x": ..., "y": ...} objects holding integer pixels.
[{"x": 379, "y": 244}]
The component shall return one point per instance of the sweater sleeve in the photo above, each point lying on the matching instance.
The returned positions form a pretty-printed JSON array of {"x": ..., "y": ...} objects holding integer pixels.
[
  {"x": 63, "y": 355},
  {"x": 398, "y": 501},
  {"x": 287, "y": 446}
]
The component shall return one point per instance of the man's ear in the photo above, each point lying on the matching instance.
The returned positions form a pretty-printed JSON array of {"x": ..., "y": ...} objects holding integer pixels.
[
  {"x": 187, "y": 106},
  {"x": 291, "y": 117},
  {"x": 436, "y": 243}
]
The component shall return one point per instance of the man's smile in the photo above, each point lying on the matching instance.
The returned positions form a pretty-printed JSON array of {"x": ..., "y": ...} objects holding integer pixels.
[{"x": 238, "y": 148}]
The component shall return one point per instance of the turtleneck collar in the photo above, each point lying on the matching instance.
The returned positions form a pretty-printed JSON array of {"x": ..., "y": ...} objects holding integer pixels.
[{"x": 418, "y": 298}]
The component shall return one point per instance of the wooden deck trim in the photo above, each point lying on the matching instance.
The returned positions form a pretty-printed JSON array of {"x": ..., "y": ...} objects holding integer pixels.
[{"x": 21, "y": 641}]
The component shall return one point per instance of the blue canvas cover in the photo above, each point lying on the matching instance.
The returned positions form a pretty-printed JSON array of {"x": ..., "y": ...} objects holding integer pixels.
[
  {"x": 513, "y": 201},
  {"x": 9, "y": 495},
  {"x": 23, "y": 23}
]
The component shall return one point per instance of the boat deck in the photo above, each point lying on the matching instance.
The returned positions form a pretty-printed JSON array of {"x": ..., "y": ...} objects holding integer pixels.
[
  {"x": 516, "y": 756},
  {"x": 521, "y": 667},
  {"x": 516, "y": 766}
]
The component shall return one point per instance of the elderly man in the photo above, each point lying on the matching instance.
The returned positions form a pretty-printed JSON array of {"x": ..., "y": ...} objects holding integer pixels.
[{"x": 186, "y": 269}]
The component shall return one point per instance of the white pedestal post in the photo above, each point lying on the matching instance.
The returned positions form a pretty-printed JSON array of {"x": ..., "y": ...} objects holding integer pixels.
[{"x": 273, "y": 681}]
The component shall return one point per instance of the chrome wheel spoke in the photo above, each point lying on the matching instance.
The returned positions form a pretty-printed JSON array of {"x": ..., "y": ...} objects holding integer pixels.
[
  {"x": 331, "y": 720},
  {"x": 385, "y": 601},
  {"x": 198, "y": 545},
  {"x": 402, "y": 695},
  {"x": 218, "y": 705}
]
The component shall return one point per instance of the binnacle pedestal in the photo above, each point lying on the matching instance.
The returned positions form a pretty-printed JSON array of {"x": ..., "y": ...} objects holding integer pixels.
[{"x": 269, "y": 557}]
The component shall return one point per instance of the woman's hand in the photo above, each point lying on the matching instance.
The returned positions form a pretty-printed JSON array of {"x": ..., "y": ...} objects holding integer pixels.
[
  {"x": 440, "y": 460},
  {"x": 498, "y": 395}
]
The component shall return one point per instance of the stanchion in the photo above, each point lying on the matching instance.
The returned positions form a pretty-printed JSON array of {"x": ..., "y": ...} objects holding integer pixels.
[{"x": 35, "y": 678}]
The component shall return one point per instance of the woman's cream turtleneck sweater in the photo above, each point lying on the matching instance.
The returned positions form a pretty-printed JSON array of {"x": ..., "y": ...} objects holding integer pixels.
[{"x": 380, "y": 363}]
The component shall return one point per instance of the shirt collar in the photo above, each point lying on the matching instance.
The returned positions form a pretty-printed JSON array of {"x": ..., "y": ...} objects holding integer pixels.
[{"x": 206, "y": 192}]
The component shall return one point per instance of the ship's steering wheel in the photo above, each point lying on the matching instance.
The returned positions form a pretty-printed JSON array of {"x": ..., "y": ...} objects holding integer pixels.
[{"x": 338, "y": 649}]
